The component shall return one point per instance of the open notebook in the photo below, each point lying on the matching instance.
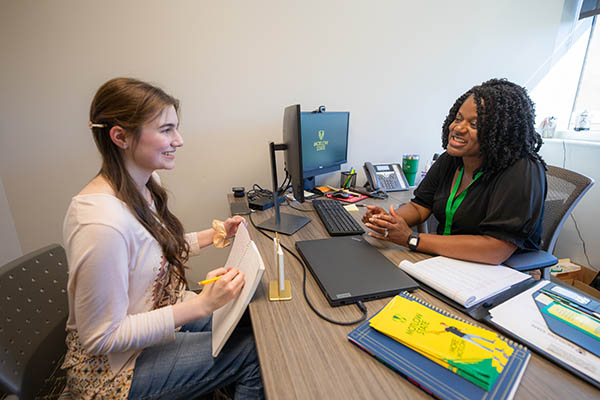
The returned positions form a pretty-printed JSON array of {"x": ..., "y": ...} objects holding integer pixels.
[
  {"x": 245, "y": 256},
  {"x": 467, "y": 283}
]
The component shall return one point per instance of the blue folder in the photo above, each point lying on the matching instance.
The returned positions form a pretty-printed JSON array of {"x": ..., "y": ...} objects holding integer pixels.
[
  {"x": 432, "y": 377},
  {"x": 565, "y": 330}
]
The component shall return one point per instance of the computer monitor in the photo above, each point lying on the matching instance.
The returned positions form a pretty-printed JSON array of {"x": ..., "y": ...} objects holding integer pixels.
[{"x": 317, "y": 143}]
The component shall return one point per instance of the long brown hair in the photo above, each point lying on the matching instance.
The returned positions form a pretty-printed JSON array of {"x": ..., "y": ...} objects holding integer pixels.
[{"x": 129, "y": 104}]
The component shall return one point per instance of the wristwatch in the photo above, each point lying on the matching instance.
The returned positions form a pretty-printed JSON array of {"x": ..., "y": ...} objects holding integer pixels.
[{"x": 413, "y": 241}]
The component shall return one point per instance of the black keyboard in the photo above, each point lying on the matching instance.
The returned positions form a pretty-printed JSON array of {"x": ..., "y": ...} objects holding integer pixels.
[{"x": 336, "y": 218}]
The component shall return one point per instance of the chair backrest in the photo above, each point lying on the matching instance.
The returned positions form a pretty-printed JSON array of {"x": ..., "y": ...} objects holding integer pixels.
[
  {"x": 33, "y": 313},
  {"x": 565, "y": 190}
]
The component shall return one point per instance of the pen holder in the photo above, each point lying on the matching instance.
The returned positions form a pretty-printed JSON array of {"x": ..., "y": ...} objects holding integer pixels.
[{"x": 347, "y": 179}]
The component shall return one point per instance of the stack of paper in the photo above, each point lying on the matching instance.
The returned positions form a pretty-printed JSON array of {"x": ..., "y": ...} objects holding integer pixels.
[{"x": 474, "y": 353}]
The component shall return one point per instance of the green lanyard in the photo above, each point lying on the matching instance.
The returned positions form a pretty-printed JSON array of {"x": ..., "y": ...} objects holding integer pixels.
[{"x": 453, "y": 204}]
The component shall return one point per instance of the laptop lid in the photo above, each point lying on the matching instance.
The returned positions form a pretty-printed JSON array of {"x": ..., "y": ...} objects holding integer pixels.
[{"x": 349, "y": 269}]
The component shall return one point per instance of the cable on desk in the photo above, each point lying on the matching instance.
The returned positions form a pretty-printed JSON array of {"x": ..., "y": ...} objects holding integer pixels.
[
  {"x": 361, "y": 306},
  {"x": 258, "y": 191},
  {"x": 289, "y": 203}
]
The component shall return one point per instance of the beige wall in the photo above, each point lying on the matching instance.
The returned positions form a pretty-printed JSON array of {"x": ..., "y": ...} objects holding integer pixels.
[
  {"x": 397, "y": 66},
  {"x": 10, "y": 248}
]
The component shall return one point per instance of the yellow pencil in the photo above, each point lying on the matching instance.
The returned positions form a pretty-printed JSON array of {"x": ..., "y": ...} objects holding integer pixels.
[{"x": 211, "y": 280}]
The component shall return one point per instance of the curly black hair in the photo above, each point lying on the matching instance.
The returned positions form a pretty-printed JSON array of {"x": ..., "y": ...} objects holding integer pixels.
[{"x": 505, "y": 124}]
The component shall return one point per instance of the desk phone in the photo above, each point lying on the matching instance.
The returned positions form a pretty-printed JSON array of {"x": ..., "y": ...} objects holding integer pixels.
[{"x": 388, "y": 177}]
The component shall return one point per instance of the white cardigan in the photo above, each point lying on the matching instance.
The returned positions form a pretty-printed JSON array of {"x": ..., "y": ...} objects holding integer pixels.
[{"x": 114, "y": 264}]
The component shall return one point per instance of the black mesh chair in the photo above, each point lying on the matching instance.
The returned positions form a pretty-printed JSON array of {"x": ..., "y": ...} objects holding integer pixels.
[
  {"x": 33, "y": 314},
  {"x": 565, "y": 190}
]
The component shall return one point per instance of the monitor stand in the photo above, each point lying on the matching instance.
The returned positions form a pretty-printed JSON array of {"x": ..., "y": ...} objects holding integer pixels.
[{"x": 287, "y": 224}]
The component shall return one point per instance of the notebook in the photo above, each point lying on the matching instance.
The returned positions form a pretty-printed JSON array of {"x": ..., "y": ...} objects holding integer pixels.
[
  {"x": 434, "y": 378},
  {"x": 349, "y": 269},
  {"x": 245, "y": 256}
]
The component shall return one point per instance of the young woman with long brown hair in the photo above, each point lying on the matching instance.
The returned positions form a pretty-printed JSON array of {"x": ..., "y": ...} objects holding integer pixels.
[{"x": 134, "y": 331}]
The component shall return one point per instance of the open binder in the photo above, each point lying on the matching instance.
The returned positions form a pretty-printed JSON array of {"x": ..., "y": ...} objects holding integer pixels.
[{"x": 532, "y": 330}]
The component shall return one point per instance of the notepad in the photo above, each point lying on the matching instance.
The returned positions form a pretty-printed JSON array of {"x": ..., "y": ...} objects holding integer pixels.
[
  {"x": 465, "y": 282},
  {"x": 245, "y": 256}
]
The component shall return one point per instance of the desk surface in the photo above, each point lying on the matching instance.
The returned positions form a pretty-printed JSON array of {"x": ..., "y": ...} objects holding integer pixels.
[{"x": 305, "y": 357}]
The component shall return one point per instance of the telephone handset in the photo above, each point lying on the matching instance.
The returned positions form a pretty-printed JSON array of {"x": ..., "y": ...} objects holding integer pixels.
[{"x": 388, "y": 177}]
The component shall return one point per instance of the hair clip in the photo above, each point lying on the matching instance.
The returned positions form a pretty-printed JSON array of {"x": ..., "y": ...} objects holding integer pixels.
[{"x": 92, "y": 125}]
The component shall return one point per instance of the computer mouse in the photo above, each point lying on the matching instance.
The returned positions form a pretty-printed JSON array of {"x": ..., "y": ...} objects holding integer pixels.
[{"x": 340, "y": 195}]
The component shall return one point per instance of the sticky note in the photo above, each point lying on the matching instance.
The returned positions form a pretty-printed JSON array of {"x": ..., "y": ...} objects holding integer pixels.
[{"x": 351, "y": 207}]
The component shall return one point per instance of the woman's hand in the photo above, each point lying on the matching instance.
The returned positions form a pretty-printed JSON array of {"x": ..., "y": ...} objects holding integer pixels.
[
  {"x": 216, "y": 294},
  {"x": 231, "y": 225},
  {"x": 371, "y": 212},
  {"x": 212, "y": 297},
  {"x": 390, "y": 227}
]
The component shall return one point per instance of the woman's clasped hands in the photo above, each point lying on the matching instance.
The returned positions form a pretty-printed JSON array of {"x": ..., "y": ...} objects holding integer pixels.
[{"x": 386, "y": 226}]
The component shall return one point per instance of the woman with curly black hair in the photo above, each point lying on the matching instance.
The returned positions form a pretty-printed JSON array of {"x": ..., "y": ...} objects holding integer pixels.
[{"x": 487, "y": 190}]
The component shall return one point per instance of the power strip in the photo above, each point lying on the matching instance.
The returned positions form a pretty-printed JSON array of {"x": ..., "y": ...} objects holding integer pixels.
[{"x": 263, "y": 203}]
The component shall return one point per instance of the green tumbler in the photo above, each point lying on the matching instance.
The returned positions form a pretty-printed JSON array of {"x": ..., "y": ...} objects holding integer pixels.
[{"x": 410, "y": 166}]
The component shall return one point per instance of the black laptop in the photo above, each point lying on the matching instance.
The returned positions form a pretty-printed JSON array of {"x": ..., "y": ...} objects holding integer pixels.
[{"x": 349, "y": 269}]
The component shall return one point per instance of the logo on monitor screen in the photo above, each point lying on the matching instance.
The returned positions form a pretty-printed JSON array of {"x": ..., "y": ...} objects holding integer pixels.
[{"x": 321, "y": 144}]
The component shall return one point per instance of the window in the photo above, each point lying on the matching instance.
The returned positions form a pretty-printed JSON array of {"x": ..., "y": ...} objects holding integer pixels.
[
  {"x": 570, "y": 91},
  {"x": 588, "y": 93}
]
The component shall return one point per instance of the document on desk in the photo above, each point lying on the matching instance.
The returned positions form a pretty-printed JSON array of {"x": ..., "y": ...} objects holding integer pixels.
[
  {"x": 244, "y": 255},
  {"x": 467, "y": 283},
  {"x": 521, "y": 317}
]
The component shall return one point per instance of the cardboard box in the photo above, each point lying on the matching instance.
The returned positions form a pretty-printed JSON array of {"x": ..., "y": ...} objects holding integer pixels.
[{"x": 575, "y": 275}]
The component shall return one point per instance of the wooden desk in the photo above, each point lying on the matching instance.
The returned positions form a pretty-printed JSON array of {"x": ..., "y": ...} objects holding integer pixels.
[{"x": 305, "y": 357}]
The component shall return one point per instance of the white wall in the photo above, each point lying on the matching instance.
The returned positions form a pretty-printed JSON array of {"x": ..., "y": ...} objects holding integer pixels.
[
  {"x": 397, "y": 66},
  {"x": 581, "y": 157}
]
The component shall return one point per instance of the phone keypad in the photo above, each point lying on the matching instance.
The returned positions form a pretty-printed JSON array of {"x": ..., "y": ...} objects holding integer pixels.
[{"x": 389, "y": 181}]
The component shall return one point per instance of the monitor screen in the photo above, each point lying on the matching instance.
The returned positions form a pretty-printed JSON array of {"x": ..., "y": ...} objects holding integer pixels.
[
  {"x": 324, "y": 138},
  {"x": 316, "y": 143}
]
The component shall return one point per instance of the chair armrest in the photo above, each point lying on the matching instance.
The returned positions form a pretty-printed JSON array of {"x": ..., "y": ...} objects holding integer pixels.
[{"x": 531, "y": 260}]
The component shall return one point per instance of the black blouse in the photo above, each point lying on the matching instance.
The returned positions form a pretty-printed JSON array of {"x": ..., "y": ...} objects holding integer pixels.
[{"x": 508, "y": 206}]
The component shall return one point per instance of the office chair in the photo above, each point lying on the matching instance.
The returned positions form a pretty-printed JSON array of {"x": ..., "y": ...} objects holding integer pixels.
[
  {"x": 565, "y": 190},
  {"x": 33, "y": 314}
]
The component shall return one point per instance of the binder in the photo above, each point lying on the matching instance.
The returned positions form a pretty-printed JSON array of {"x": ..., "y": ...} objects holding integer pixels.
[
  {"x": 432, "y": 377},
  {"x": 560, "y": 326},
  {"x": 585, "y": 369}
]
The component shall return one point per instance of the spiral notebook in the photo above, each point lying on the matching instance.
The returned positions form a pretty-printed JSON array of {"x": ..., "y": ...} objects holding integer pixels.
[{"x": 432, "y": 377}]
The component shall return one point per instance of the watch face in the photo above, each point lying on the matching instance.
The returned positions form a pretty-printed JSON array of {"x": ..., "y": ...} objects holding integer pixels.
[{"x": 413, "y": 241}]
